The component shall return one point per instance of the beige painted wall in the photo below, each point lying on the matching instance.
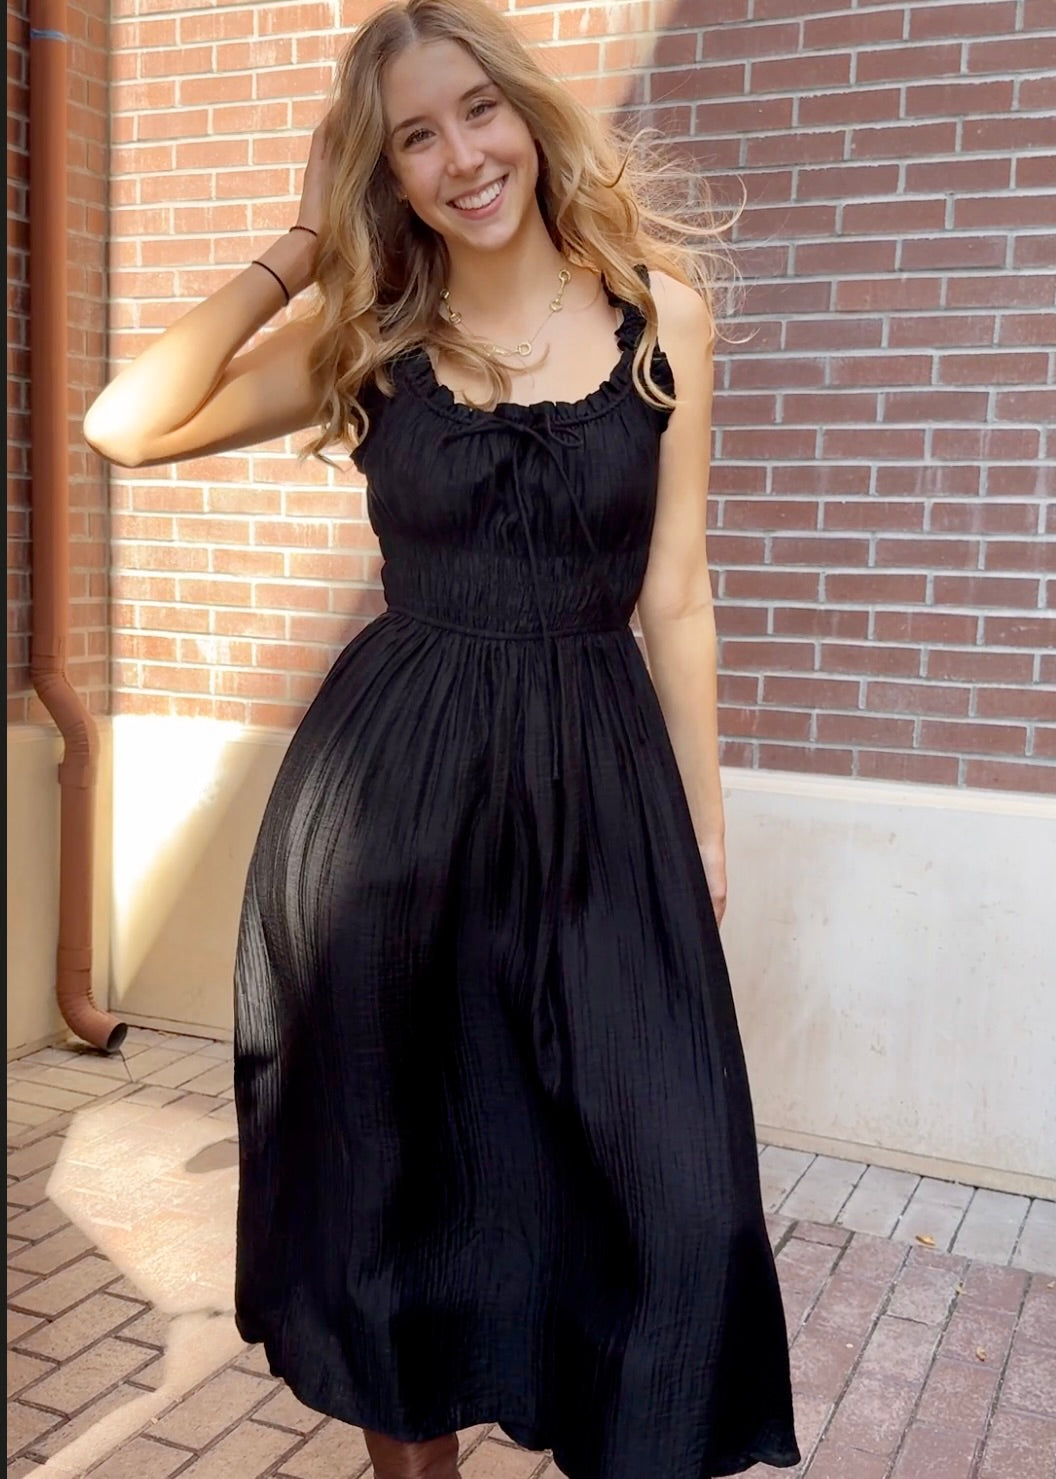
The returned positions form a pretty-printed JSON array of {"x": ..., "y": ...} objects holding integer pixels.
[
  {"x": 187, "y": 806},
  {"x": 889, "y": 945},
  {"x": 33, "y": 755},
  {"x": 891, "y": 949}
]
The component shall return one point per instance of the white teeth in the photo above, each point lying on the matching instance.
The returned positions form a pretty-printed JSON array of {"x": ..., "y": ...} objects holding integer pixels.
[{"x": 474, "y": 202}]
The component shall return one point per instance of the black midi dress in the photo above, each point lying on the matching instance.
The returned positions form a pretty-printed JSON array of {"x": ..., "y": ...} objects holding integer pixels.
[{"x": 497, "y": 1154}]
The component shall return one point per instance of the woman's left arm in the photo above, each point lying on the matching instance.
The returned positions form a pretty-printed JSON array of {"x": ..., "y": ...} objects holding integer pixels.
[{"x": 675, "y": 607}]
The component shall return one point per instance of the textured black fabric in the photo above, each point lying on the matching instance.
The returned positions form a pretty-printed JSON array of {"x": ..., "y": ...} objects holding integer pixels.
[{"x": 497, "y": 1150}]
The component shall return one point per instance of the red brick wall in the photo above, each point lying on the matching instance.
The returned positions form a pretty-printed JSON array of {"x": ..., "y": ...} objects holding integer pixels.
[
  {"x": 236, "y": 578},
  {"x": 881, "y": 476},
  {"x": 884, "y": 486},
  {"x": 87, "y": 104}
]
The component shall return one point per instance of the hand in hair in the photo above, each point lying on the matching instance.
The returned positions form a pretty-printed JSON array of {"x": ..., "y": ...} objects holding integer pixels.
[{"x": 318, "y": 177}]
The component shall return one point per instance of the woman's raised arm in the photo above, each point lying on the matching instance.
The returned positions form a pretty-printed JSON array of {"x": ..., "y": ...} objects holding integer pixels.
[{"x": 190, "y": 392}]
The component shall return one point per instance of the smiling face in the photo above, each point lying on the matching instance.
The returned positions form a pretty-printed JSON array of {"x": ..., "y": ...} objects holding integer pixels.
[{"x": 461, "y": 154}]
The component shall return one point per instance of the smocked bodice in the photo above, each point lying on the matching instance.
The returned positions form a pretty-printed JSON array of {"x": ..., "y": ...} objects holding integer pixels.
[{"x": 528, "y": 521}]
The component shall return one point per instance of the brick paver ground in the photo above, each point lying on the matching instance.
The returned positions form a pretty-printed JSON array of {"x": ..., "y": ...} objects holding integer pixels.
[{"x": 922, "y": 1313}]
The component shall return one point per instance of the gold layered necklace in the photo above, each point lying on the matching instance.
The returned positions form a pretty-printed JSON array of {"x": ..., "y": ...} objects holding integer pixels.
[{"x": 524, "y": 348}]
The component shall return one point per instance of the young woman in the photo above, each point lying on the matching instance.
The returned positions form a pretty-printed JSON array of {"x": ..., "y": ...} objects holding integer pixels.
[{"x": 497, "y": 1150}]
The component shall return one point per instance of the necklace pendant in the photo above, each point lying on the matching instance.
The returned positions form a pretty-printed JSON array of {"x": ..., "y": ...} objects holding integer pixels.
[
  {"x": 564, "y": 277},
  {"x": 453, "y": 316},
  {"x": 524, "y": 348}
]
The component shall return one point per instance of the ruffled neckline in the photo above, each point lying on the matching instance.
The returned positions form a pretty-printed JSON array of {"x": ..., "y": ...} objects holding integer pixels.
[{"x": 417, "y": 368}]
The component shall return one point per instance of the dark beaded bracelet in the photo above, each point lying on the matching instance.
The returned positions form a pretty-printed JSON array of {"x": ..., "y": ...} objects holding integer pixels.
[
  {"x": 305, "y": 228},
  {"x": 285, "y": 290}
]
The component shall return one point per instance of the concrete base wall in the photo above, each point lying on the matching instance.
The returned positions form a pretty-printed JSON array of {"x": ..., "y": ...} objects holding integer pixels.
[
  {"x": 187, "y": 807},
  {"x": 892, "y": 955},
  {"x": 890, "y": 946}
]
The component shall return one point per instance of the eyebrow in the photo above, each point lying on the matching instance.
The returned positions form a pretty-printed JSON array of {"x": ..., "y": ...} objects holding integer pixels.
[{"x": 422, "y": 117}]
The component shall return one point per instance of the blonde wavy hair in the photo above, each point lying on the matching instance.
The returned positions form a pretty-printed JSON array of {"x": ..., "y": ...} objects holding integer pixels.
[{"x": 609, "y": 201}]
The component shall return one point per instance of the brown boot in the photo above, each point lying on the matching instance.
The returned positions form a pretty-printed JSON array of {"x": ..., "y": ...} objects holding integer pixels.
[{"x": 437, "y": 1458}]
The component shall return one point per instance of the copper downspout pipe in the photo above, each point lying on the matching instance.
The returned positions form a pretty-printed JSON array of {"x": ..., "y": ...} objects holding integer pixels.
[{"x": 50, "y": 483}]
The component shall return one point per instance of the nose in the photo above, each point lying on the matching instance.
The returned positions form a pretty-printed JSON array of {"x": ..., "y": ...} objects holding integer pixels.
[{"x": 464, "y": 155}]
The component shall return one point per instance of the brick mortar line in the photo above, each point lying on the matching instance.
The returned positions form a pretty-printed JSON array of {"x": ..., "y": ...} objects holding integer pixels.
[
  {"x": 743, "y": 242},
  {"x": 558, "y": 9},
  {"x": 248, "y": 1416},
  {"x": 55, "y": 1362},
  {"x": 251, "y": 1415},
  {"x": 192, "y": 1454},
  {"x": 842, "y": 1252},
  {"x": 843, "y": 1205},
  {"x": 917, "y": 462},
  {"x": 855, "y": 1365},
  {"x": 25, "y": 1398},
  {"x": 802, "y": 1173},
  {"x": 676, "y": 137},
  {"x": 963, "y": 1218},
  {"x": 128, "y": 1380},
  {"x": 113, "y": 1334},
  {"x": 858, "y": 352},
  {"x": 1030, "y": 1200},
  {"x": 1030, "y": 1276},
  {"x": 867, "y": 501},
  {"x": 741, "y": 245},
  {"x": 61, "y": 1121},
  {"x": 981, "y": 1441},
  {"x": 768, "y": 94}
]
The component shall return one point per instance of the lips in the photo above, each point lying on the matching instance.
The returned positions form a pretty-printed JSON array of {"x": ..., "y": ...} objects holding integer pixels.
[{"x": 458, "y": 202}]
